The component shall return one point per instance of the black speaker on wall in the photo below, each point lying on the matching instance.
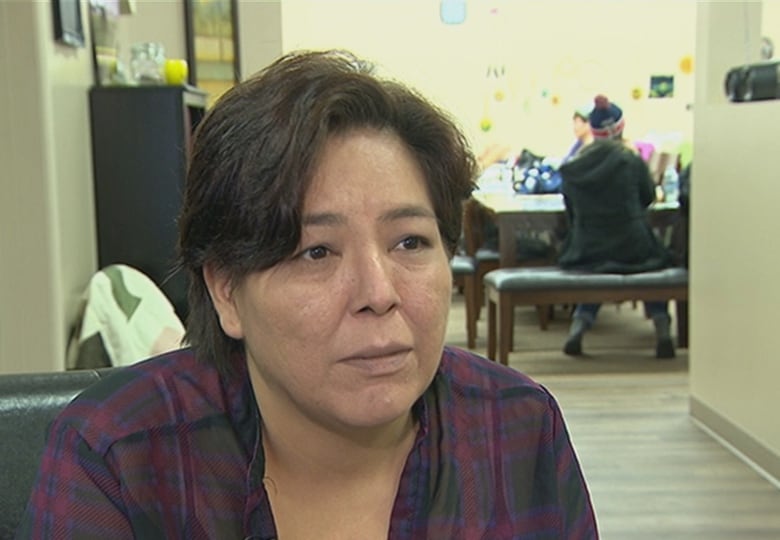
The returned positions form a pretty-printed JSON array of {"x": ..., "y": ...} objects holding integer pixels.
[{"x": 753, "y": 82}]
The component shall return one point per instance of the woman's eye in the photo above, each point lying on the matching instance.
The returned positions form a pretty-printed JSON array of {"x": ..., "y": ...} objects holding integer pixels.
[
  {"x": 413, "y": 242},
  {"x": 317, "y": 252}
]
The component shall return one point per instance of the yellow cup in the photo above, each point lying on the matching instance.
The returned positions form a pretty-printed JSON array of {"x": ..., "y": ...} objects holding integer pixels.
[{"x": 176, "y": 71}]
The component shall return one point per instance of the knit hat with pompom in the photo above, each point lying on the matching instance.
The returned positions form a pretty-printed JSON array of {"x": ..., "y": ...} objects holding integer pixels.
[{"x": 606, "y": 119}]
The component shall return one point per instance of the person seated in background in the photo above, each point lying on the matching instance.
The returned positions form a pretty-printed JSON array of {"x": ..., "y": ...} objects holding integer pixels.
[
  {"x": 606, "y": 189},
  {"x": 582, "y": 133},
  {"x": 493, "y": 153},
  {"x": 496, "y": 153},
  {"x": 532, "y": 247},
  {"x": 317, "y": 398}
]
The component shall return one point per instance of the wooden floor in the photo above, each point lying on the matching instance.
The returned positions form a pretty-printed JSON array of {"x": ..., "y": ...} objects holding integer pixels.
[{"x": 652, "y": 471}]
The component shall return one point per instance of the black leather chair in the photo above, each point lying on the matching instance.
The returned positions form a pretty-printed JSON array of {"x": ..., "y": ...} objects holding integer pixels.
[
  {"x": 464, "y": 270},
  {"x": 28, "y": 403}
]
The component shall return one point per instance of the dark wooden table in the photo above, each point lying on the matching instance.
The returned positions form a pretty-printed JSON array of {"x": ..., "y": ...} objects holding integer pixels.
[{"x": 540, "y": 213}]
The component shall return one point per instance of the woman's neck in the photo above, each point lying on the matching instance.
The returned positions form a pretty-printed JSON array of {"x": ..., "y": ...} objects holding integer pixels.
[
  {"x": 327, "y": 483},
  {"x": 294, "y": 441},
  {"x": 316, "y": 452}
]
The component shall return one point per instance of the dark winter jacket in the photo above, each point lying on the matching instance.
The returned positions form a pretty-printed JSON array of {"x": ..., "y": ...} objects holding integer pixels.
[{"x": 607, "y": 190}]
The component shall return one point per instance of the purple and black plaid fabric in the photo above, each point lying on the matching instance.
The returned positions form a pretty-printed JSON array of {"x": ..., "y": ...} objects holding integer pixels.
[{"x": 169, "y": 448}]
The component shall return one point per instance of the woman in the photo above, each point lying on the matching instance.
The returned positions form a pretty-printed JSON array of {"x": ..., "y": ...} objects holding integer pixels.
[
  {"x": 607, "y": 189},
  {"x": 582, "y": 134},
  {"x": 317, "y": 399}
]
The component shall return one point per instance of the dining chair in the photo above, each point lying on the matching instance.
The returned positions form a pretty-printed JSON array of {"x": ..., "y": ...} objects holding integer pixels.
[
  {"x": 476, "y": 220},
  {"x": 658, "y": 162},
  {"x": 464, "y": 272}
]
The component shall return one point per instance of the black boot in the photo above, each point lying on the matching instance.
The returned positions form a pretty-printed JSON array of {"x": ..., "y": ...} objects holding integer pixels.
[
  {"x": 664, "y": 347},
  {"x": 573, "y": 345}
]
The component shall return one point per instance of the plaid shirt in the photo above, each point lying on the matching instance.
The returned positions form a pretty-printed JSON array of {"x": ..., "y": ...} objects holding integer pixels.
[{"x": 168, "y": 448}]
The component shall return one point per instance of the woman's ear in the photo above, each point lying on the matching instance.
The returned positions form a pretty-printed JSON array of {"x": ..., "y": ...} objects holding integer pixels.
[{"x": 221, "y": 289}]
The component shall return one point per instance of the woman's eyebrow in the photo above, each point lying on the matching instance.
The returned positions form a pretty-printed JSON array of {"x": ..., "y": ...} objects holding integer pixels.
[
  {"x": 401, "y": 212},
  {"x": 324, "y": 218},
  {"x": 408, "y": 211}
]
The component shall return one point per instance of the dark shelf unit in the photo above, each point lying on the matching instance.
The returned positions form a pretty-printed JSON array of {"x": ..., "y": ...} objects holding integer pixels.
[{"x": 140, "y": 144}]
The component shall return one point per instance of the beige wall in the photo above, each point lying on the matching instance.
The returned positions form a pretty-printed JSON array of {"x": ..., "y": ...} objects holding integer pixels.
[
  {"x": 734, "y": 369},
  {"x": 572, "y": 49},
  {"x": 260, "y": 32},
  {"x": 46, "y": 226},
  {"x": 160, "y": 21}
]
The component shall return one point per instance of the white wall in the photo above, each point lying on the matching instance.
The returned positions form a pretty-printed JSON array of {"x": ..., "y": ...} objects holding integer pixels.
[{"x": 735, "y": 294}]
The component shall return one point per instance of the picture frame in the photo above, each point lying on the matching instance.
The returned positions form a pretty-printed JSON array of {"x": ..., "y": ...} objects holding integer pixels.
[
  {"x": 661, "y": 86},
  {"x": 68, "y": 24},
  {"x": 213, "y": 54}
]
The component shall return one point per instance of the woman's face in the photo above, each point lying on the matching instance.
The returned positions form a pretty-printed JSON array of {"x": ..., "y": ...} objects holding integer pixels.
[
  {"x": 349, "y": 332},
  {"x": 581, "y": 127}
]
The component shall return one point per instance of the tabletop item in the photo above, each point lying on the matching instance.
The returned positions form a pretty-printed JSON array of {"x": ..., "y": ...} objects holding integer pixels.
[
  {"x": 671, "y": 184},
  {"x": 538, "y": 178},
  {"x": 147, "y": 63},
  {"x": 176, "y": 71}
]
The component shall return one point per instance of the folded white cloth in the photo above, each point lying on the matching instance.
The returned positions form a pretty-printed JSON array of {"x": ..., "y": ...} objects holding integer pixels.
[{"x": 124, "y": 318}]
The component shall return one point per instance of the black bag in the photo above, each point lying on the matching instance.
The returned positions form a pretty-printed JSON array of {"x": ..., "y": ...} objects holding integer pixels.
[
  {"x": 527, "y": 159},
  {"x": 532, "y": 176}
]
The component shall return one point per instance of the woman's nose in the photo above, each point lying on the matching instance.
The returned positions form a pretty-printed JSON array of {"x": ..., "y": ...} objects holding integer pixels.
[{"x": 374, "y": 283}]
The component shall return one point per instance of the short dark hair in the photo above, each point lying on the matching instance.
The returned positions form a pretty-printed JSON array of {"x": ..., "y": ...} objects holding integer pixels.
[{"x": 253, "y": 157}]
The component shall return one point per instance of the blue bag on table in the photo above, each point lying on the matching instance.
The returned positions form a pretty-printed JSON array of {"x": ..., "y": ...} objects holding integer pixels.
[{"x": 536, "y": 178}]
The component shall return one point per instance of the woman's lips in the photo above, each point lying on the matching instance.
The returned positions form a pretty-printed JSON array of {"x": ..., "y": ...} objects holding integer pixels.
[{"x": 379, "y": 361}]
